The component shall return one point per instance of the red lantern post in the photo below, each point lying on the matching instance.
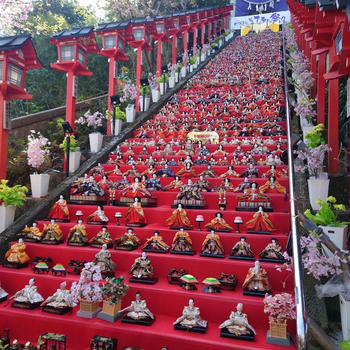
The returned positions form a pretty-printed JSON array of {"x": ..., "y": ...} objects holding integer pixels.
[
  {"x": 195, "y": 20},
  {"x": 73, "y": 47},
  {"x": 174, "y": 30},
  {"x": 185, "y": 25},
  {"x": 17, "y": 55},
  {"x": 113, "y": 41}
]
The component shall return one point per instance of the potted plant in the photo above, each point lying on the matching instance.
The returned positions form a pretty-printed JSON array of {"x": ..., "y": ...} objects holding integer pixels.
[
  {"x": 326, "y": 218},
  {"x": 87, "y": 291},
  {"x": 113, "y": 291},
  {"x": 163, "y": 83},
  {"x": 93, "y": 121},
  {"x": 145, "y": 93},
  {"x": 314, "y": 155},
  {"x": 172, "y": 68},
  {"x": 10, "y": 198},
  {"x": 178, "y": 72},
  {"x": 153, "y": 84},
  {"x": 280, "y": 307},
  {"x": 191, "y": 62},
  {"x": 129, "y": 96},
  {"x": 74, "y": 152},
  {"x": 37, "y": 153},
  {"x": 226, "y": 35}
]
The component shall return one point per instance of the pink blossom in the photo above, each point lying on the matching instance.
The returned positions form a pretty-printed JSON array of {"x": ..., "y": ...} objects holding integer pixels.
[
  {"x": 280, "y": 307},
  {"x": 37, "y": 149}
]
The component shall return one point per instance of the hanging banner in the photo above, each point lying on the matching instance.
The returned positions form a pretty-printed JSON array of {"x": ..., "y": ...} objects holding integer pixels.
[
  {"x": 273, "y": 17},
  {"x": 253, "y": 7}
]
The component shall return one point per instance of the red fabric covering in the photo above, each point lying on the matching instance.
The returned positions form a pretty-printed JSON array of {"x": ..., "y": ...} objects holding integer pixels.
[{"x": 164, "y": 300}]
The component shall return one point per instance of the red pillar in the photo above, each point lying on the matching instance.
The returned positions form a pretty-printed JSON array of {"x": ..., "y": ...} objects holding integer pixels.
[
  {"x": 174, "y": 49},
  {"x": 313, "y": 69},
  {"x": 111, "y": 88},
  {"x": 138, "y": 76},
  {"x": 195, "y": 33},
  {"x": 203, "y": 35},
  {"x": 4, "y": 133},
  {"x": 333, "y": 125},
  {"x": 321, "y": 88},
  {"x": 209, "y": 31},
  {"x": 159, "y": 58},
  {"x": 214, "y": 29},
  {"x": 70, "y": 100},
  {"x": 185, "y": 40}
]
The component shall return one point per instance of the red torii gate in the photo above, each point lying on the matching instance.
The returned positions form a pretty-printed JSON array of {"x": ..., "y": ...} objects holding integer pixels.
[{"x": 17, "y": 55}]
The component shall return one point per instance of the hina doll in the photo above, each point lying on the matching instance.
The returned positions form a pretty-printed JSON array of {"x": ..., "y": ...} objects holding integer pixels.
[
  {"x": 274, "y": 172},
  {"x": 155, "y": 244},
  {"x": 102, "y": 237},
  {"x": 182, "y": 243},
  {"x": 186, "y": 172},
  {"x": 272, "y": 252},
  {"x": 98, "y": 217},
  {"x": 237, "y": 325},
  {"x": 245, "y": 184},
  {"x": 60, "y": 302},
  {"x": 142, "y": 270},
  {"x": 132, "y": 172},
  {"x": 179, "y": 219},
  {"x": 190, "y": 319},
  {"x": 165, "y": 172},
  {"x": 32, "y": 234},
  {"x": 104, "y": 261},
  {"x": 203, "y": 185},
  {"x": 135, "y": 215},
  {"x": 260, "y": 222},
  {"x": 137, "y": 312},
  {"x": 218, "y": 224},
  {"x": 256, "y": 281},
  {"x": 230, "y": 172},
  {"x": 28, "y": 297},
  {"x": 272, "y": 186},
  {"x": 59, "y": 210},
  {"x": 136, "y": 189},
  {"x": 16, "y": 256},
  {"x": 52, "y": 233},
  {"x": 116, "y": 171},
  {"x": 128, "y": 241},
  {"x": 153, "y": 184},
  {"x": 3, "y": 294},
  {"x": 241, "y": 250},
  {"x": 174, "y": 185},
  {"x": 212, "y": 246},
  {"x": 251, "y": 171},
  {"x": 209, "y": 172},
  {"x": 97, "y": 170},
  {"x": 77, "y": 234}
]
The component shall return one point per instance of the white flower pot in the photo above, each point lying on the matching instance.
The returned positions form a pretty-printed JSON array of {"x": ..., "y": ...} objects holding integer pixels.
[
  {"x": 171, "y": 82},
  {"x": 163, "y": 88},
  {"x": 130, "y": 113},
  {"x": 145, "y": 107},
  {"x": 155, "y": 95},
  {"x": 191, "y": 68},
  {"x": 220, "y": 42},
  {"x": 7, "y": 216},
  {"x": 337, "y": 234},
  {"x": 345, "y": 316},
  {"x": 318, "y": 189},
  {"x": 306, "y": 130},
  {"x": 305, "y": 123},
  {"x": 177, "y": 77},
  {"x": 183, "y": 72},
  {"x": 95, "y": 139},
  {"x": 203, "y": 57},
  {"x": 117, "y": 127},
  {"x": 39, "y": 184},
  {"x": 74, "y": 161}
]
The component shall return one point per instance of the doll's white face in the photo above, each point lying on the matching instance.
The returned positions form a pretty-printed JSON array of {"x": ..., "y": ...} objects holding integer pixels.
[
  {"x": 191, "y": 303},
  {"x": 52, "y": 221},
  {"x": 239, "y": 307},
  {"x": 144, "y": 255}
]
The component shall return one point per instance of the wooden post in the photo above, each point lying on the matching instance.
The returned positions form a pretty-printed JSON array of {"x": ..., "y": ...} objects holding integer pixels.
[{"x": 70, "y": 99}]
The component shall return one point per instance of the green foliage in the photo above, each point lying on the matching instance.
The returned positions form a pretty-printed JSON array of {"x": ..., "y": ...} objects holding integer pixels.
[
  {"x": 326, "y": 216},
  {"x": 145, "y": 90},
  {"x": 315, "y": 137},
  {"x": 114, "y": 289},
  {"x": 162, "y": 77},
  {"x": 192, "y": 60},
  {"x": 3, "y": 347},
  {"x": 345, "y": 345},
  {"x": 15, "y": 195},
  {"x": 73, "y": 146},
  {"x": 119, "y": 114}
]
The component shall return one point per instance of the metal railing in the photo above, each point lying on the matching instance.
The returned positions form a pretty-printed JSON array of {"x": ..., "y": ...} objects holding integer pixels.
[{"x": 301, "y": 320}]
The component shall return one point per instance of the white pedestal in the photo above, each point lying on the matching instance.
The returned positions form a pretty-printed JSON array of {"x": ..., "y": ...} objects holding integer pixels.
[
  {"x": 39, "y": 184},
  {"x": 145, "y": 107},
  {"x": 337, "y": 235},
  {"x": 74, "y": 161},
  {"x": 318, "y": 189},
  {"x": 345, "y": 316},
  {"x": 163, "y": 88},
  {"x": 155, "y": 95},
  {"x": 171, "y": 82},
  {"x": 7, "y": 216},
  {"x": 118, "y": 126},
  {"x": 96, "y": 139},
  {"x": 183, "y": 72},
  {"x": 130, "y": 113}
]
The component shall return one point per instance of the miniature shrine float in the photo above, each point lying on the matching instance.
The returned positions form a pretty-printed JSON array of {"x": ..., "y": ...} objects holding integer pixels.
[
  {"x": 188, "y": 282},
  {"x": 190, "y": 319},
  {"x": 237, "y": 326},
  {"x": 211, "y": 285}
]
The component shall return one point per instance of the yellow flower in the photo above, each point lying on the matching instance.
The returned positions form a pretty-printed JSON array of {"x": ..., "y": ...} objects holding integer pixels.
[
  {"x": 320, "y": 202},
  {"x": 331, "y": 199},
  {"x": 307, "y": 211},
  {"x": 319, "y": 127},
  {"x": 340, "y": 207}
]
